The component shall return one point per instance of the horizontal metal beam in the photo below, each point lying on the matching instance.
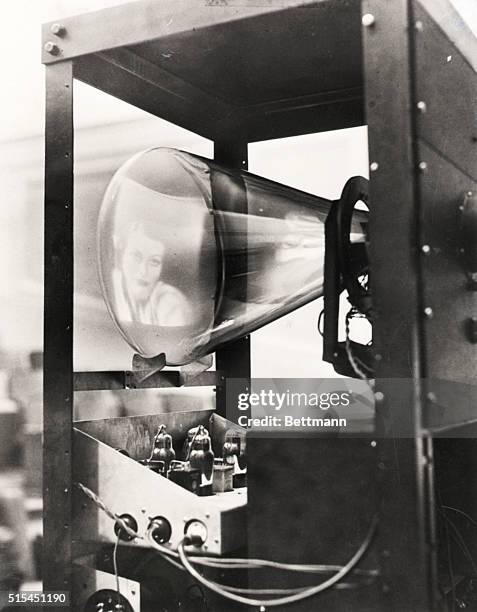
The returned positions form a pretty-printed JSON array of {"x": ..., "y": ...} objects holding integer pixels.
[
  {"x": 142, "y": 379},
  {"x": 321, "y": 112},
  {"x": 137, "y": 81},
  {"x": 145, "y": 20}
]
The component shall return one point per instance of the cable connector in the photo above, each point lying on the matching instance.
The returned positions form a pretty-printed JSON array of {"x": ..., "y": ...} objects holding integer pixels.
[{"x": 195, "y": 533}]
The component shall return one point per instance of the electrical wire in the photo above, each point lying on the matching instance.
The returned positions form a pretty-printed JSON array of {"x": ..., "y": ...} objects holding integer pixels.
[
  {"x": 358, "y": 366},
  {"x": 249, "y": 591},
  {"x": 288, "y": 599},
  {"x": 461, "y": 542},
  {"x": 102, "y": 506},
  {"x": 116, "y": 572},
  {"x": 467, "y": 516},
  {"x": 231, "y": 592},
  {"x": 237, "y": 563}
]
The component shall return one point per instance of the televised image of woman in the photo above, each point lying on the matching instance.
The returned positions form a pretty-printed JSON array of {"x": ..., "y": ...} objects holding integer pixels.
[{"x": 139, "y": 293}]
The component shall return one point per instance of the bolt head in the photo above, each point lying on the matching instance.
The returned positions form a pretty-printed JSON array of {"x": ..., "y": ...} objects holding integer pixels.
[
  {"x": 428, "y": 312},
  {"x": 423, "y": 166},
  {"x": 425, "y": 249},
  {"x": 58, "y": 29},
  {"x": 368, "y": 20},
  {"x": 51, "y": 48},
  {"x": 422, "y": 106}
]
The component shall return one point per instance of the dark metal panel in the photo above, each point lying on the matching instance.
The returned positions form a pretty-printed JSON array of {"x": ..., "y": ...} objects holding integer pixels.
[
  {"x": 446, "y": 91},
  {"x": 58, "y": 327},
  {"x": 454, "y": 27},
  {"x": 233, "y": 360},
  {"x": 316, "y": 48},
  {"x": 322, "y": 112},
  {"x": 312, "y": 500},
  {"x": 136, "y": 22},
  {"x": 129, "y": 78},
  {"x": 136, "y": 434},
  {"x": 403, "y": 537},
  {"x": 451, "y": 357}
]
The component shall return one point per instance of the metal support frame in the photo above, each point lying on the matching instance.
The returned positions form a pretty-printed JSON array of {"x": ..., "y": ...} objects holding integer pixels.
[
  {"x": 233, "y": 360},
  {"x": 58, "y": 327},
  {"x": 406, "y": 490},
  {"x": 405, "y": 466}
]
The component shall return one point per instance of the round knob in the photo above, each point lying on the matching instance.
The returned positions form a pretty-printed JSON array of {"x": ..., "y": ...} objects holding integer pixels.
[
  {"x": 160, "y": 530},
  {"x": 121, "y": 533}
]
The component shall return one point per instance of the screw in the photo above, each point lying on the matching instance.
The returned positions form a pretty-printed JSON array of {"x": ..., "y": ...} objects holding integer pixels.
[
  {"x": 58, "y": 29},
  {"x": 423, "y": 166},
  {"x": 426, "y": 249},
  {"x": 51, "y": 48},
  {"x": 373, "y": 166},
  {"x": 428, "y": 312},
  {"x": 422, "y": 106},
  {"x": 368, "y": 20}
]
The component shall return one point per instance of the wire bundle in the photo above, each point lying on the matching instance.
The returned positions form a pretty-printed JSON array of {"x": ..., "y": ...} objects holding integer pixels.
[{"x": 183, "y": 561}]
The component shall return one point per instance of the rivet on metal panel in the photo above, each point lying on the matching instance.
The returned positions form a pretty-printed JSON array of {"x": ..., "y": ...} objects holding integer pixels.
[
  {"x": 426, "y": 249},
  {"x": 428, "y": 312},
  {"x": 449, "y": 58},
  {"x": 418, "y": 25},
  {"x": 58, "y": 29},
  {"x": 421, "y": 106},
  {"x": 431, "y": 397},
  {"x": 368, "y": 20},
  {"x": 51, "y": 48},
  {"x": 379, "y": 396},
  {"x": 373, "y": 166},
  {"x": 386, "y": 588},
  {"x": 423, "y": 166},
  {"x": 470, "y": 193},
  {"x": 373, "y": 443}
]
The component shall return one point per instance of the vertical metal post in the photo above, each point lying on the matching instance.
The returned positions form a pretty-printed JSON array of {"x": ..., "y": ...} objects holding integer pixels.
[
  {"x": 58, "y": 327},
  {"x": 404, "y": 541},
  {"x": 233, "y": 360}
]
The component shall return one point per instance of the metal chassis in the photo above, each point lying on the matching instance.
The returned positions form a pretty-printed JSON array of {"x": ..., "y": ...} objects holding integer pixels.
[{"x": 388, "y": 57}]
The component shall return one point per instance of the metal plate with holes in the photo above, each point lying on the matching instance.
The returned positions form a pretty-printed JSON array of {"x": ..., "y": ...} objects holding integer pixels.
[
  {"x": 446, "y": 92},
  {"x": 449, "y": 353}
]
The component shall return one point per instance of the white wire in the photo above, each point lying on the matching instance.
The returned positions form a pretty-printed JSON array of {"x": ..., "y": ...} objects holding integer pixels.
[
  {"x": 116, "y": 572},
  {"x": 247, "y": 591},
  {"x": 280, "y": 601},
  {"x": 258, "y": 563}
]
